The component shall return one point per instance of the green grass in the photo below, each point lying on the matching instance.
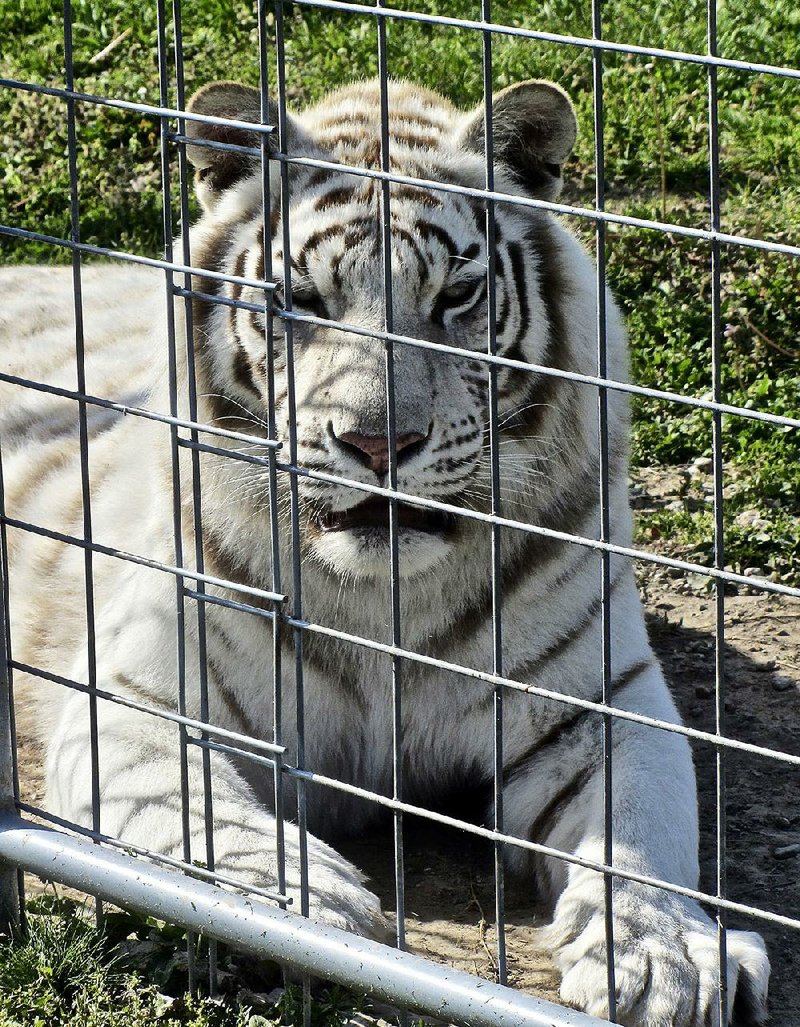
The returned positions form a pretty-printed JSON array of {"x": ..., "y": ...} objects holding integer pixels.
[
  {"x": 63, "y": 972},
  {"x": 656, "y": 147}
]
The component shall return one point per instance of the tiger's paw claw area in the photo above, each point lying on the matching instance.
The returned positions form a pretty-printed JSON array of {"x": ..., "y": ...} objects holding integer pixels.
[{"x": 666, "y": 966}]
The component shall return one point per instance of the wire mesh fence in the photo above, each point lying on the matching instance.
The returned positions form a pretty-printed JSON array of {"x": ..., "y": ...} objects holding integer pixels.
[{"x": 197, "y": 292}]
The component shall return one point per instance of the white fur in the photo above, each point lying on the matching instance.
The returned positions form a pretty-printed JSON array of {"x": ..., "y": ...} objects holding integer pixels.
[{"x": 665, "y": 946}]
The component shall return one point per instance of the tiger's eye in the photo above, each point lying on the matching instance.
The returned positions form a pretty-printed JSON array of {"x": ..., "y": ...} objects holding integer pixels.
[
  {"x": 460, "y": 291},
  {"x": 310, "y": 301}
]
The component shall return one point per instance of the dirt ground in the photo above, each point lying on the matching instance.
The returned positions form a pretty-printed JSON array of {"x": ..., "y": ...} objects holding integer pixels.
[{"x": 449, "y": 879}]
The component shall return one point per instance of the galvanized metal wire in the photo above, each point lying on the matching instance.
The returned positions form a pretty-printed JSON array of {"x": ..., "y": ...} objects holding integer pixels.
[{"x": 283, "y": 606}]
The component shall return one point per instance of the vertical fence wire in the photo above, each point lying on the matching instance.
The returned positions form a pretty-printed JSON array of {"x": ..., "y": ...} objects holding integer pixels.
[
  {"x": 605, "y": 525},
  {"x": 272, "y": 433},
  {"x": 196, "y": 486},
  {"x": 717, "y": 357},
  {"x": 297, "y": 627},
  {"x": 391, "y": 428},
  {"x": 12, "y": 882},
  {"x": 177, "y": 515},
  {"x": 284, "y": 144},
  {"x": 495, "y": 505},
  {"x": 83, "y": 429}
]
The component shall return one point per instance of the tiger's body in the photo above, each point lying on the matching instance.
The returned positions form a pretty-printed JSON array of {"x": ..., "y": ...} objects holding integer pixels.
[{"x": 549, "y": 468}]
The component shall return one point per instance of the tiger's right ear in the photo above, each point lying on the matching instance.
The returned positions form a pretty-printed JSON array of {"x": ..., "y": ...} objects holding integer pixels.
[
  {"x": 534, "y": 130},
  {"x": 220, "y": 170}
]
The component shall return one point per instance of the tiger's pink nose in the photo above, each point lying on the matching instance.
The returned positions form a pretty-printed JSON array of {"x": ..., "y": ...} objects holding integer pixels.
[{"x": 374, "y": 449}]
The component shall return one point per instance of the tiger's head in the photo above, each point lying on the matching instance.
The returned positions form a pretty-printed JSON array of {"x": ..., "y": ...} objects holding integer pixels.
[{"x": 327, "y": 257}]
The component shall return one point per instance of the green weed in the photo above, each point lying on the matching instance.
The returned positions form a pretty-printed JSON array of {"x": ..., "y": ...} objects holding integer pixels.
[
  {"x": 656, "y": 157},
  {"x": 62, "y": 971}
]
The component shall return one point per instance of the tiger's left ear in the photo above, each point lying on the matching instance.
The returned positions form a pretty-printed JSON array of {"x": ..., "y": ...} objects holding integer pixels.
[
  {"x": 217, "y": 169},
  {"x": 533, "y": 129}
]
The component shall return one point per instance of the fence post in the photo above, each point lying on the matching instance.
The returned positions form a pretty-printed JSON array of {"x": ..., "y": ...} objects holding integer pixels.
[{"x": 9, "y": 880}]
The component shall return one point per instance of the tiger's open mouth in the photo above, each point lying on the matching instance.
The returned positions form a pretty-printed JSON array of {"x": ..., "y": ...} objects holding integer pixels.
[{"x": 374, "y": 513}]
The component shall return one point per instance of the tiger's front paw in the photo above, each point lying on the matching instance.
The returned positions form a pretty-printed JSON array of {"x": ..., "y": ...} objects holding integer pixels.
[
  {"x": 666, "y": 964},
  {"x": 351, "y": 907}
]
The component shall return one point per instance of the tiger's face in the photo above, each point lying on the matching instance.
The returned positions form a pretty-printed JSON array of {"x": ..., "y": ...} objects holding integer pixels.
[{"x": 327, "y": 257}]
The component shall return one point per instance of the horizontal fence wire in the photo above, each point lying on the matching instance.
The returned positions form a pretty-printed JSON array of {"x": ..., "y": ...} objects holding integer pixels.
[
  {"x": 153, "y": 711},
  {"x": 588, "y": 213},
  {"x": 425, "y": 813},
  {"x": 142, "y": 561},
  {"x": 780, "y": 420},
  {"x": 719, "y": 741},
  {"x": 190, "y": 869},
  {"x": 272, "y": 604},
  {"x": 682, "y": 56}
]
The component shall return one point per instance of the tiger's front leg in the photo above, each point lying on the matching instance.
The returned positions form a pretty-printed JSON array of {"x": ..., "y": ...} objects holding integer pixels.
[
  {"x": 140, "y": 803},
  {"x": 666, "y": 956}
]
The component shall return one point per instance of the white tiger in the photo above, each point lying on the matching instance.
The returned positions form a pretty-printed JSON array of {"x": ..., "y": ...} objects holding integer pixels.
[{"x": 666, "y": 946}]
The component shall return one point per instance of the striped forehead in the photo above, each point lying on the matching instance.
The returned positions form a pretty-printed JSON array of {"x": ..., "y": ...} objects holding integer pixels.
[
  {"x": 348, "y": 125},
  {"x": 338, "y": 223}
]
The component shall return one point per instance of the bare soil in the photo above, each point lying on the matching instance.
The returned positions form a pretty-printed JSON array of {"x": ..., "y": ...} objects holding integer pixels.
[{"x": 449, "y": 876}]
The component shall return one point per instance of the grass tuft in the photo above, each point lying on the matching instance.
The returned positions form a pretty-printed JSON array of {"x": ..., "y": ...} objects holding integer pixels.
[{"x": 62, "y": 972}]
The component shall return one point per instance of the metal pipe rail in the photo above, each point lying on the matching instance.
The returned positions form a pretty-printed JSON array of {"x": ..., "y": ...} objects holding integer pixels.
[{"x": 386, "y": 973}]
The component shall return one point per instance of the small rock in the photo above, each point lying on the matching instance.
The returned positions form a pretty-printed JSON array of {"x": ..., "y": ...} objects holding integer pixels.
[
  {"x": 787, "y": 851},
  {"x": 256, "y": 1000},
  {"x": 703, "y": 463},
  {"x": 755, "y": 572},
  {"x": 163, "y": 1003},
  {"x": 703, "y": 692},
  {"x": 751, "y": 519},
  {"x": 781, "y": 682}
]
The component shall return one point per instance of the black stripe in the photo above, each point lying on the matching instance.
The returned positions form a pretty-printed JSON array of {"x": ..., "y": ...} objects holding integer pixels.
[
  {"x": 541, "y": 389},
  {"x": 316, "y": 239},
  {"x": 275, "y": 219},
  {"x": 427, "y": 231},
  {"x": 417, "y": 194},
  {"x": 478, "y": 211},
  {"x": 340, "y": 196},
  {"x": 558, "y": 732},
  {"x": 214, "y": 256},
  {"x": 319, "y": 176},
  {"x": 238, "y": 270},
  {"x": 566, "y": 512},
  {"x": 546, "y": 820},
  {"x": 223, "y": 562},
  {"x": 408, "y": 238},
  {"x": 230, "y": 700},
  {"x": 520, "y": 284},
  {"x": 240, "y": 361}
]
